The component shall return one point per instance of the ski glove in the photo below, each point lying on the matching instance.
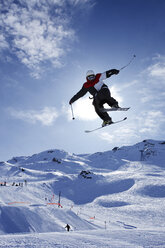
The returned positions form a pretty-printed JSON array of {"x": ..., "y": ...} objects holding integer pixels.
[
  {"x": 111, "y": 72},
  {"x": 71, "y": 101},
  {"x": 115, "y": 71}
]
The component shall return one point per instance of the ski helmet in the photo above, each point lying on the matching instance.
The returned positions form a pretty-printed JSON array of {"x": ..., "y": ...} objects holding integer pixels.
[{"x": 89, "y": 73}]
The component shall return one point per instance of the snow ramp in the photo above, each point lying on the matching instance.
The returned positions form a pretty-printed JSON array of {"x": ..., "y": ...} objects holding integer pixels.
[{"x": 39, "y": 219}]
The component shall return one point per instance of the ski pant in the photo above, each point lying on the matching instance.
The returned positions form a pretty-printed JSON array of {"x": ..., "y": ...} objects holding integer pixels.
[{"x": 103, "y": 96}]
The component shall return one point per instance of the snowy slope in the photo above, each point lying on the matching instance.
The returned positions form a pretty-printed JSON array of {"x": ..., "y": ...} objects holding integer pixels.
[{"x": 122, "y": 191}]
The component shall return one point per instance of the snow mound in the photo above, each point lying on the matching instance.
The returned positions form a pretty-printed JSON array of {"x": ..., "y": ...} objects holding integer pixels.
[
  {"x": 83, "y": 191},
  {"x": 153, "y": 191}
]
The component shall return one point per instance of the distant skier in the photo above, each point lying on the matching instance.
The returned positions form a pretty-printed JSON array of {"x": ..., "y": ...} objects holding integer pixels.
[
  {"x": 100, "y": 91},
  {"x": 68, "y": 227}
]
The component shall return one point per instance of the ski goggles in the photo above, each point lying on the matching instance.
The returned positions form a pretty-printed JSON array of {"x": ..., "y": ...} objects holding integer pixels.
[{"x": 91, "y": 77}]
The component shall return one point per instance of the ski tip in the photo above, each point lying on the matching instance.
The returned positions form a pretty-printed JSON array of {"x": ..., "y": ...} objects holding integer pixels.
[
  {"x": 87, "y": 131},
  {"x": 125, "y": 118}
]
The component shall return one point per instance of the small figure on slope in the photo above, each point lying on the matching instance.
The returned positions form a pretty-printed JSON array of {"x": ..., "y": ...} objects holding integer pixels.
[
  {"x": 68, "y": 227},
  {"x": 100, "y": 91}
]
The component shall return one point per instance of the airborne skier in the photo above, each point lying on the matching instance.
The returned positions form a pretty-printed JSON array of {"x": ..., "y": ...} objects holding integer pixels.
[{"x": 100, "y": 91}]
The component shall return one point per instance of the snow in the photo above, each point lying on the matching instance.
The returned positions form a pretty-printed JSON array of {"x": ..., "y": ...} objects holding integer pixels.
[
  {"x": 110, "y": 199},
  {"x": 104, "y": 238}
]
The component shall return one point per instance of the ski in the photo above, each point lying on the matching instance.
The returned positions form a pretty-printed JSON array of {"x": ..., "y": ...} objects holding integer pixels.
[
  {"x": 114, "y": 109},
  {"x": 89, "y": 131}
]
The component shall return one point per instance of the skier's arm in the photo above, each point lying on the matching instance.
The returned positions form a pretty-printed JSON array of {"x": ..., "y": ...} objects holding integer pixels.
[
  {"x": 79, "y": 94},
  {"x": 108, "y": 74}
]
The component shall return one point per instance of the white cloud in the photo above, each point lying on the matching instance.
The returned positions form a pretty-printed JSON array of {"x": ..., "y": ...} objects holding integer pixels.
[
  {"x": 150, "y": 121},
  {"x": 145, "y": 124},
  {"x": 3, "y": 43},
  {"x": 37, "y": 31},
  {"x": 107, "y": 137},
  {"x": 119, "y": 135},
  {"x": 128, "y": 85},
  {"x": 157, "y": 70},
  {"x": 147, "y": 95},
  {"x": 150, "y": 86},
  {"x": 46, "y": 116}
]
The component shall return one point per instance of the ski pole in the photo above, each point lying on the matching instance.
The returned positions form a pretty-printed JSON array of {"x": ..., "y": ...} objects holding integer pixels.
[
  {"x": 134, "y": 56},
  {"x": 72, "y": 112}
]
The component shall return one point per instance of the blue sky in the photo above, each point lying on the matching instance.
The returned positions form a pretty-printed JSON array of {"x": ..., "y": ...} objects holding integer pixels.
[{"x": 46, "y": 47}]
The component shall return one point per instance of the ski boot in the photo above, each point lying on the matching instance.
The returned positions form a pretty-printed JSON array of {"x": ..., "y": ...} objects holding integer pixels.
[
  {"x": 115, "y": 105},
  {"x": 107, "y": 122}
]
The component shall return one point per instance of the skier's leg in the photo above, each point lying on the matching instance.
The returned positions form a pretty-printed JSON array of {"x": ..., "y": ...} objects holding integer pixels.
[
  {"x": 99, "y": 105},
  {"x": 107, "y": 96},
  {"x": 112, "y": 102}
]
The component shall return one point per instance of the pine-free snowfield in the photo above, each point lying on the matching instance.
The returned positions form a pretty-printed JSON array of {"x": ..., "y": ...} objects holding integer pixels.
[{"x": 86, "y": 239}]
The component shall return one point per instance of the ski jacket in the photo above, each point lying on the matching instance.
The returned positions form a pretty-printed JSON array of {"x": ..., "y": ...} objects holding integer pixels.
[{"x": 93, "y": 86}]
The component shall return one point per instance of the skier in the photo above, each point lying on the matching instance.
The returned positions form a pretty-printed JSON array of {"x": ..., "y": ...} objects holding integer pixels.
[
  {"x": 100, "y": 91},
  {"x": 68, "y": 227}
]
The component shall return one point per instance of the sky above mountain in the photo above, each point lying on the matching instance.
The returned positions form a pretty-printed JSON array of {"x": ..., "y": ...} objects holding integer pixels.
[{"x": 46, "y": 47}]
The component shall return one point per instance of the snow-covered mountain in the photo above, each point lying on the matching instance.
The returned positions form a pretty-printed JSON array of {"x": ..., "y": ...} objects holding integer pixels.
[{"x": 118, "y": 190}]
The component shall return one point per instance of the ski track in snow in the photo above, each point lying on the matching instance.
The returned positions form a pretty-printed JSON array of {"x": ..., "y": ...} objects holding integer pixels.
[{"x": 117, "y": 201}]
